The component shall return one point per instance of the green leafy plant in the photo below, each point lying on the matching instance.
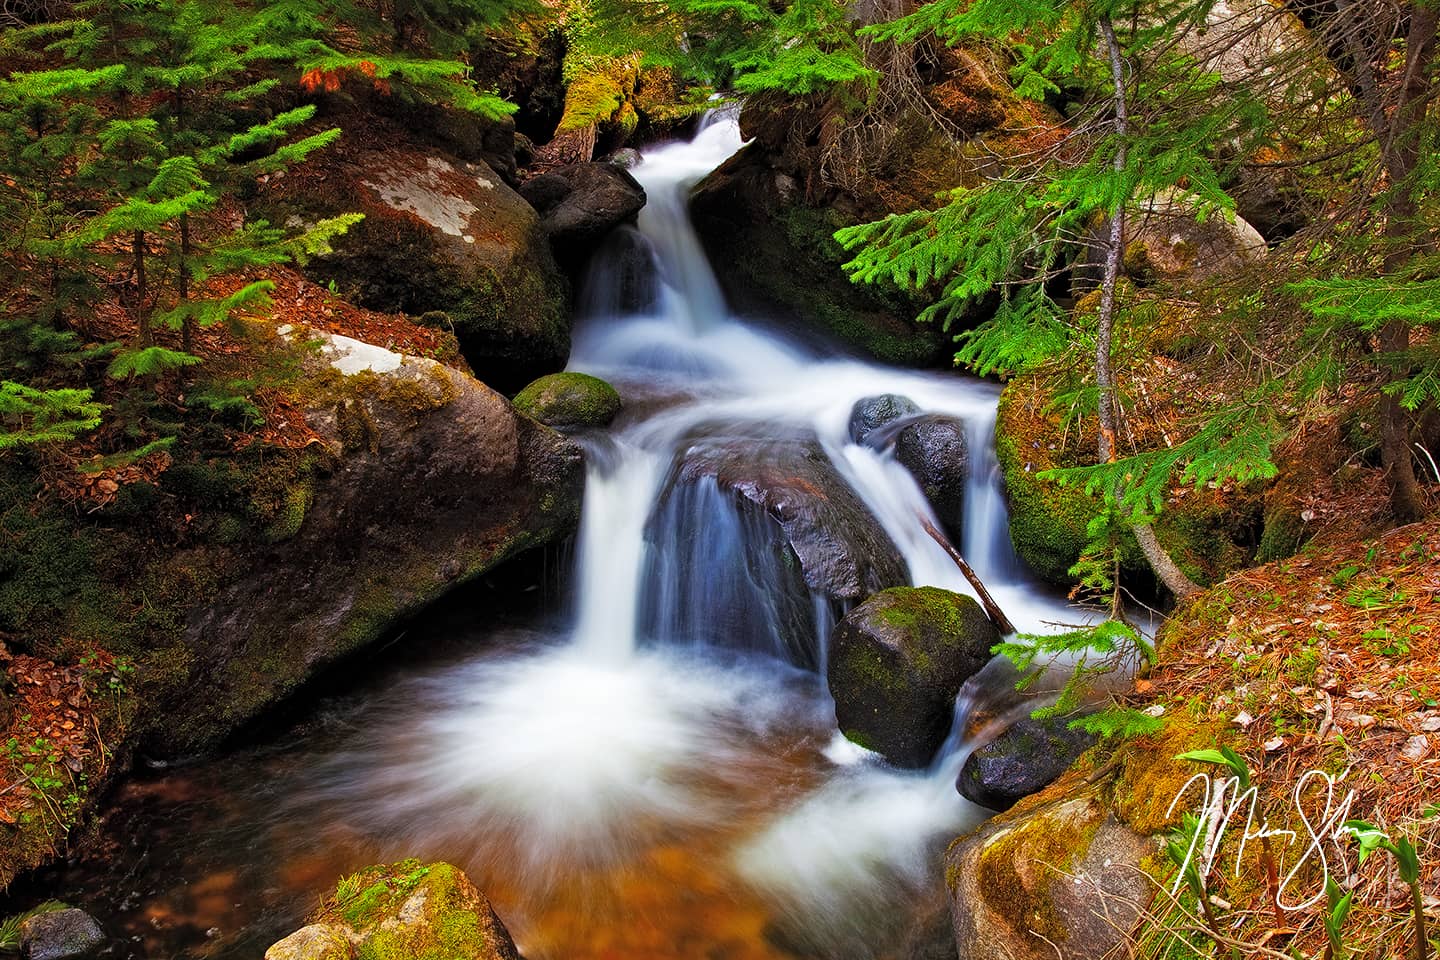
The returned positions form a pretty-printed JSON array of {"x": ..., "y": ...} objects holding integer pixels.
[
  {"x": 1337, "y": 908},
  {"x": 1369, "y": 838}
]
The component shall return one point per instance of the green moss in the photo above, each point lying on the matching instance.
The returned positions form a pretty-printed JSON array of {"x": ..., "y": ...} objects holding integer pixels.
[
  {"x": 1018, "y": 867},
  {"x": 813, "y": 289},
  {"x": 1207, "y": 534},
  {"x": 1048, "y": 522},
  {"x": 447, "y": 926},
  {"x": 569, "y": 400},
  {"x": 1150, "y": 777}
]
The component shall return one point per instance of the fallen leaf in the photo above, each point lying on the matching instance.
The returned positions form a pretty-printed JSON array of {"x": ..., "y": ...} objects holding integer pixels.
[
  {"x": 1243, "y": 720},
  {"x": 1416, "y": 748},
  {"x": 1272, "y": 745}
]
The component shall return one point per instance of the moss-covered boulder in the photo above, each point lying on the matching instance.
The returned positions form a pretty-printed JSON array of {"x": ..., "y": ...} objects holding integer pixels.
[
  {"x": 442, "y": 236},
  {"x": 428, "y": 479},
  {"x": 569, "y": 401},
  {"x": 896, "y": 663},
  {"x": 1062, "y": 879},
  {"x": 402, "y": 911},
  {"x": 1209, "y": 533},
  {"x": 1027, "y": 757}
]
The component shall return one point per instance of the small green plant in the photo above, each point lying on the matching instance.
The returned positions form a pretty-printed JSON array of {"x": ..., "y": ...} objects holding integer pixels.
[
  {"x": 1337, "y": 908},
  {"x": 1180, "y": 849},
  {"x": 1091, "y": 653},
  {"x": 1371, "y": 838}
]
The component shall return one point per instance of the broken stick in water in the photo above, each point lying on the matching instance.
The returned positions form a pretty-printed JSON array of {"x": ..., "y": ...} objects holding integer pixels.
[{"x": 997, "y": 616}]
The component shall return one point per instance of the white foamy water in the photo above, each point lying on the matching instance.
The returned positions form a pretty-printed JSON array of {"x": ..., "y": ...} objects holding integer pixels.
[{"x": 625, "y": 736}]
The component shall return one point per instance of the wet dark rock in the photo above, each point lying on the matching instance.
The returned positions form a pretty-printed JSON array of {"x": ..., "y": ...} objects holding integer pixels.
[
  {"x": 546, "y": 191},
  {"x": 871, "y": 413},
  {"x": 1025, "y": 759},
  {"x": 843, "y": 551},
  {"x": 601, "y": 196},
  {"x": 896, "y": 663},
  {"x": 935, "y": 451},
  {"x": 66, "y": 934}
]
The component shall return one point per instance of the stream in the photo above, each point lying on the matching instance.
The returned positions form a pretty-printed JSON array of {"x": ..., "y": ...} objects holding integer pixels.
[{"x": 653, "y": 771}]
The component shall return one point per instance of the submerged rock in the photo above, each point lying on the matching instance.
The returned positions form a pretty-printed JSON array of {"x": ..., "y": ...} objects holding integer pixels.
[
  {"x": 406, "y": 909},
  {"x": 64, "y": 934},
  {"x": 1025, "y": 759},
  {"x": 935, "y": 451},
  {"x": 896, "y": 663},
  {"x": 1063, "y": 879},
  {"x": 871, "y": 413},
  {"x": 569, "y": 401}
]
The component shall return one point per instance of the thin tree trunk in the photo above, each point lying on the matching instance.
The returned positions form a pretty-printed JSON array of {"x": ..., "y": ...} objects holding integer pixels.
[
  {"x": 1104, "y": 376},
  {"x": 142, "y": 290},
  {"x": 1400, "y": 145},
  {"x": 1160, "y": 561},
  {"x": 187, "y": 325}
]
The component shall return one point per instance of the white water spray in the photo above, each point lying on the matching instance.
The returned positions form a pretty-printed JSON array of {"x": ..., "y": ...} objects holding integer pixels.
[{"x": 597, "y": 749}]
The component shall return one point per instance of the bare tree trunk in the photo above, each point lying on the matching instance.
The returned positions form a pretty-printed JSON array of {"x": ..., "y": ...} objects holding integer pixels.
[
  {"x": 187, "y": 325},
  {"x": 142, "y": 290},
  {"x": 1400, "y": 146},
  {"x": 1160, "y": 561}
]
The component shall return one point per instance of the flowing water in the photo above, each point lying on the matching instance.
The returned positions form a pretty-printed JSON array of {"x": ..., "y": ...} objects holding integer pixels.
[{"x": 659, "y": 777}]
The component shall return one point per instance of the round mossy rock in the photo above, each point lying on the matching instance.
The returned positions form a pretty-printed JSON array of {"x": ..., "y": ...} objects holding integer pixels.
[
  {"x": 896, "y": 663},
  {"x": 569, "y": 401},
  {"x": 407, "y": 909}
]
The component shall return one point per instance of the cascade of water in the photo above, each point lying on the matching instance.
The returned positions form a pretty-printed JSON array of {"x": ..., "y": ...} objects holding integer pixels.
[{"x": 653, "y": 719}]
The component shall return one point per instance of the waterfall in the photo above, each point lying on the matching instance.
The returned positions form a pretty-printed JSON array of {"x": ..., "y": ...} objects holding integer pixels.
[
  {"x": 677, "y": 732},
  {"x": 712, "y": 373}
]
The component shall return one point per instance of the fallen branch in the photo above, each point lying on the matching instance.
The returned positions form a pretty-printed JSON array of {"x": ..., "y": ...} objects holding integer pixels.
[{"x": 997, "y": 616}]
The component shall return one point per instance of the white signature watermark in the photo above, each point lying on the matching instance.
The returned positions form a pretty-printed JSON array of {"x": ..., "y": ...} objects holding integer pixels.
[{"x": 1324, "y": 831}]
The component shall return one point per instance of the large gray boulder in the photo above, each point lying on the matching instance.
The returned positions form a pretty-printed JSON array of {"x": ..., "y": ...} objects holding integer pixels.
[
  {"x": 1027, "y": 757},
  {"x": 896, "y": 663},
  {"x": 1062, "y": 880},
  {"x": 440, "y": 236},
  {"x": 429, "y": 479}
]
